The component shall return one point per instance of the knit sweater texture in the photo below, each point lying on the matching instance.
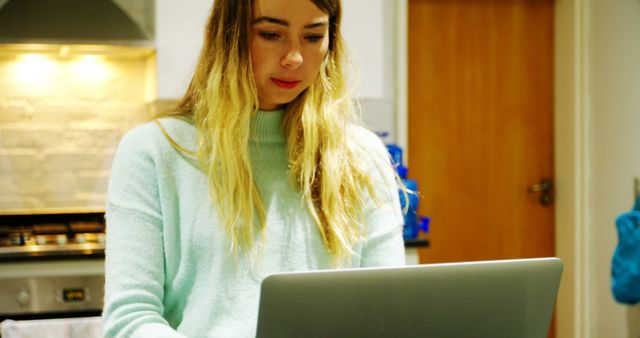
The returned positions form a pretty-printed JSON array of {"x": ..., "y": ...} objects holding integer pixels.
[{"x": 169, "y": 268}]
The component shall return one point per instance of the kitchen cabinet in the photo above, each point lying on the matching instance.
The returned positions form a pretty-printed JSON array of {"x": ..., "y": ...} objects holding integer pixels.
[{"x": 180, "y": 29}]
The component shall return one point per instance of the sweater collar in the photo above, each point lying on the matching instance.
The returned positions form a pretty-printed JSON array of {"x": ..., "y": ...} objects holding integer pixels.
[{"x": 266, "y": 126}]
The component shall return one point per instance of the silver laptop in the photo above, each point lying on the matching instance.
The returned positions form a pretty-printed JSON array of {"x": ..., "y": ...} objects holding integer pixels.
[{"x": 489, "y": 299}]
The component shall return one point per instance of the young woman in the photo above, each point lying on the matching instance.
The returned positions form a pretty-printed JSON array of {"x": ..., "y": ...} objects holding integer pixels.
[{"x": 261, "y": 169}]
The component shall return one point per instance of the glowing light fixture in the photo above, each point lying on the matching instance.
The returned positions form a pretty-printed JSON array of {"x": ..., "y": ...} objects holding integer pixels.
[
  {"x": 90, "y": 68},
  {"x": 34, "y": 68}
]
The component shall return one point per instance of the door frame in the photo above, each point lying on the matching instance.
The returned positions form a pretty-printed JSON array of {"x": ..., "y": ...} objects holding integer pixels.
[{"x": 571, "y": 153}]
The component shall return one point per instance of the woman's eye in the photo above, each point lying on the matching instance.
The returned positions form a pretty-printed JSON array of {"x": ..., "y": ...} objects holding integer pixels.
[
  {"x": 314, "y": 38},
  {"x": 269, "y": 35}
]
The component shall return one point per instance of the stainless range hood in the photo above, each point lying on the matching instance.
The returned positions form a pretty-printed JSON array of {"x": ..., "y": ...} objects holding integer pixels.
[{"x": 97, "y": 22}]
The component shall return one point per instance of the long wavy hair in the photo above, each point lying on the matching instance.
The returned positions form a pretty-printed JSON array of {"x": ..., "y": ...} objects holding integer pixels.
[{"x": 221, "y": 100}]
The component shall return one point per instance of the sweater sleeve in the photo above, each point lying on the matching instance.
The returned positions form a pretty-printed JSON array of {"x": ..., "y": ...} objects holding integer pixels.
[
  {"x": 384, "y": 245},
  {"x": 134, "y": 266}
]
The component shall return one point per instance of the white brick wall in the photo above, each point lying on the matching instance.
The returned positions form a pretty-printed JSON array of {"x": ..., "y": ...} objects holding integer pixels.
[{"x": 60, "y": 123}]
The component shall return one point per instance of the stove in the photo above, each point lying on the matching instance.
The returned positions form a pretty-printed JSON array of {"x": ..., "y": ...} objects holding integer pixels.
[
  {"x": 51, "y": 265},
  {"x": 52, "y": 236}
]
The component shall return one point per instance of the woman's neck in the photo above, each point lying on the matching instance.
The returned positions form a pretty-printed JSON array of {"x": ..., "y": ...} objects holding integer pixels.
[{"x": 266, "y": 126}]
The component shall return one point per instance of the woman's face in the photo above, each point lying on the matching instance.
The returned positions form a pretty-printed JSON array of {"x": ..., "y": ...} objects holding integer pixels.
[{"x": 289, "y": 40}]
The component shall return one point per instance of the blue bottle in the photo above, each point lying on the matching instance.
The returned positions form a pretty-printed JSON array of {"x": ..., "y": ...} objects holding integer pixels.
[{"x": 412, "y": 222}]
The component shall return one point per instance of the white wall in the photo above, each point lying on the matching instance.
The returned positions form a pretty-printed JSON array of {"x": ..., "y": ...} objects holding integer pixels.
[
  {"x": 615, "y": 144},
  {"x": 369, "y": 30},
  {"x": 179, "y": 37}
]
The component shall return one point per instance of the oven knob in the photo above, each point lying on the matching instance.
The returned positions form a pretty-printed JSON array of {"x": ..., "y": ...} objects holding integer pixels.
[
  {"x": 23, "y": 297},
  {"x": 41, "y": 240},
  {"x": 80, "y": 238},
  {"x": 61, "y": 239}
]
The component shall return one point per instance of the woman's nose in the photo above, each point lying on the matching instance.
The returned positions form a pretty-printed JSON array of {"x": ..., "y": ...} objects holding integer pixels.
[{"x": 293, "y": 58}]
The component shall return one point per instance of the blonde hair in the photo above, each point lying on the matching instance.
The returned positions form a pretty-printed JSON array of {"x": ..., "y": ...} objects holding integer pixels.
[{"x": 324, "y": 165}]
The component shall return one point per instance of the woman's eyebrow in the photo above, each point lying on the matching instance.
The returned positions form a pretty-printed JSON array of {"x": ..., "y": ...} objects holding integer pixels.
[
  {"x": 317, "y": 24},
  {"x": 270, "y": 19},
  {"x": 285, "y": 23}
]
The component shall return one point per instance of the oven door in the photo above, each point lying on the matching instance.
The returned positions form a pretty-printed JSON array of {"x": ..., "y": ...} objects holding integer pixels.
[{"x": 51, "y": 289}]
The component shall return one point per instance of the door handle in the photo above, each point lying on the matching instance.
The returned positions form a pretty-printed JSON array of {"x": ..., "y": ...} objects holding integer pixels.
[{"x": 545, "y": 188}]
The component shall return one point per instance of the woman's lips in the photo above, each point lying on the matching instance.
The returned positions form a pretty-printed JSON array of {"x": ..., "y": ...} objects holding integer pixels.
[{"x": 286, "y": 84}]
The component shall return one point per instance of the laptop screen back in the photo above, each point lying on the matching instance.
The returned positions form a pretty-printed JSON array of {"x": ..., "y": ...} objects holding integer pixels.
[{"x": 510, "y": 298}]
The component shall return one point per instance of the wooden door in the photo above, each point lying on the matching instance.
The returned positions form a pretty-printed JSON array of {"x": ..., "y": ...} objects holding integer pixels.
[{"x": 481, "y": 125}]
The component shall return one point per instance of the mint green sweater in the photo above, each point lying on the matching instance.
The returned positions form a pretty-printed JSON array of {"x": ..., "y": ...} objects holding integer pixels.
[{"x": 169, "y": 272}]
